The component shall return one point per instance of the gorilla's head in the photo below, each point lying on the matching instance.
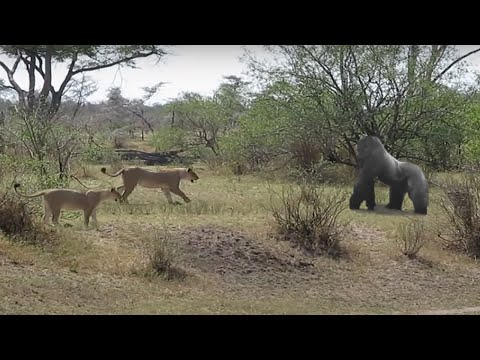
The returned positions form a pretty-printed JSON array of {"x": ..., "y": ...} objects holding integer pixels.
[{"x": 368, "y": 144}]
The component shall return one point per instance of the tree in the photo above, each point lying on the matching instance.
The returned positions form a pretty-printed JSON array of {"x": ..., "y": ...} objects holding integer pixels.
[
  {"x": 36, "y": 116},
  {"x": 395, "y": 92},
  {"x": 80, "y": 59},
  {"x": 205, "y": 119},
  {"x": 232, "y": 96},
  {"x": 279, "y": 122},
  {"x": 134, "y": 109},
  {"x": 137, "y": 106},
  {"x": 55, "y": 142},
  {"x": 201, "y": 116},
  {"x": 116, "y": 114}
]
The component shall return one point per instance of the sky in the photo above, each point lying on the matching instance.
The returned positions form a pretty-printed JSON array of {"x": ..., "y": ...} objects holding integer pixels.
[{"x": 190, "y": 68}]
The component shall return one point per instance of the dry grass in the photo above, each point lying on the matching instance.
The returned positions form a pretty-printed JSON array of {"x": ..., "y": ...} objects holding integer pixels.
[
  {"x": 463, "y": 210},
  {"x": 19, "y": 224},
  {"x": 411, "y": 237},
  {"x": 308, "y": 218},
  {"x": 160, "y": 256},
  {"x": 90, "y": 270}
]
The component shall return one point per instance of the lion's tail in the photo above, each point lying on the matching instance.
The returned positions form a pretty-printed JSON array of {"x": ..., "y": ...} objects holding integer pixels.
[
  {"x": 119, "y": 172},
  {"x": 37, "y": 194},
  {"x": 78, "y": 180}
]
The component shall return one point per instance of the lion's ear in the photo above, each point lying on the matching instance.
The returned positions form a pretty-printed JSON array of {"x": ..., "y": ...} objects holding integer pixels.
[
  {"x": 113, "y": 190},
  {"x": 189, "y": 170}
]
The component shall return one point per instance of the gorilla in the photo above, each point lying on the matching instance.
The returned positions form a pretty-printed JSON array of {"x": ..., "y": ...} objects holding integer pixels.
[{"x": 402, "y": 177}]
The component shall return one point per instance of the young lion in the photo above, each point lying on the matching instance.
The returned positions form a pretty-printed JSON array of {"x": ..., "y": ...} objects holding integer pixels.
[
  {"x": 56, "y": 200},
  {"x": 166, "y": 179}
]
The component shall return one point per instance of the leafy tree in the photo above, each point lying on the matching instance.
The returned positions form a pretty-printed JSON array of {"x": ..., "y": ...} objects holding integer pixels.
[
  {"x": 203, "y": 117},
  {"x": 396, "y": 92},
  {"x": 232, "y": 95}
]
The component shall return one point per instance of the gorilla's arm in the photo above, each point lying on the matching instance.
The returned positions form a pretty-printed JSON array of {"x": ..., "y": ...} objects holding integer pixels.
[
  {"x": 363, "y": 191},
  {"x": 417, "y": 186}
]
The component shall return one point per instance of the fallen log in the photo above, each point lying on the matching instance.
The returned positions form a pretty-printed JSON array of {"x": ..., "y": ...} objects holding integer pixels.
[{"x": 148, "y": 158}]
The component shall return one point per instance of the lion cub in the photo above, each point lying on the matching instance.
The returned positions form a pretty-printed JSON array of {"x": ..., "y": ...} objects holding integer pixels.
[{"x": 56, "y": 200}]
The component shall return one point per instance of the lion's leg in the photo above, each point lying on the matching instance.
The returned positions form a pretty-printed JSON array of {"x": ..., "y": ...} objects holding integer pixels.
[
  {"x": 55, "y": 215},
  {"x": 167, "y": 194},
  {"x": 94, "y": 216},
  {"x": 86, "y": 216},
  {"x": 180, "y": 193},
  {"x": 126, "y": 194},
  {"x": 47, "y": 213}
]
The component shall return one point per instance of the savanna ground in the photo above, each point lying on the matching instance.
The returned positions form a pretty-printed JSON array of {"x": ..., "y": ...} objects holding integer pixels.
[{"x": 233, "y": 263}]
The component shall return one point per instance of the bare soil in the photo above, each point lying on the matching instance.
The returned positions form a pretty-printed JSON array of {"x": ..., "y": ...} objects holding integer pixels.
[{"x": 238, "y": 258}]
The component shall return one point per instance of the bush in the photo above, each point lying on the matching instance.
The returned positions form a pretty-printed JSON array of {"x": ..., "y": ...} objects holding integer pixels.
[
  {"x": 93, "y": 153},
  {"x": 204, "y": 155},
  {"x": 18, "y": 222},
  {"x": 411, "y": 237},
  {"x": 39, "y": 174},
  {"x": 249, "y": 149},
  {"x": 169, "y": 138},
  {"x": 160, "y": 254},
  {"x": 309, "y": 218},
  {"x": 463, "y": 211},
  {"x": 324, "y": 172}
]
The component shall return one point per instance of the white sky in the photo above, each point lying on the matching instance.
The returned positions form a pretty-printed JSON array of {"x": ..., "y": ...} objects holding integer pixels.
[{"x": 196, "y": 68}]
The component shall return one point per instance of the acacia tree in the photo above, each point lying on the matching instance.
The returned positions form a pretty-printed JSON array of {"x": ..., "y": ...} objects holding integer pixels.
[
  {"x": 57, "y": 140},
  {"x": 395, "y": 92},
  {"x": 67, "y": 132},
  {"x": 80, "y": 59},
  {"x": 38, "y": 107}
]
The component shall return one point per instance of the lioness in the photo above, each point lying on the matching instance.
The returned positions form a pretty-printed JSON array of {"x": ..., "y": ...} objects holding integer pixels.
[
  {"x": 166, "y": 179},
  {"x": 56, "y": 200}
]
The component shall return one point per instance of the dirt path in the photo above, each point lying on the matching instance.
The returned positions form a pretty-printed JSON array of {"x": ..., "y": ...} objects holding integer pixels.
[{"x": 462, "y": 311}]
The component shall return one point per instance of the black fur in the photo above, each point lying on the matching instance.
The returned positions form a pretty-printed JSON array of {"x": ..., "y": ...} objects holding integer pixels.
[{"x": 402, "y": 177}]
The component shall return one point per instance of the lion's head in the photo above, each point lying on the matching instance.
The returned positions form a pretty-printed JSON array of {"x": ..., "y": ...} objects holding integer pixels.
[{"x": 191, "y": 175}]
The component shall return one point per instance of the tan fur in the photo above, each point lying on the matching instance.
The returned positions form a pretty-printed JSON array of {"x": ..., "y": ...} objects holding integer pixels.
[
  {"x": 56, "y": 200},
  {"x": 166, "y": 179}
]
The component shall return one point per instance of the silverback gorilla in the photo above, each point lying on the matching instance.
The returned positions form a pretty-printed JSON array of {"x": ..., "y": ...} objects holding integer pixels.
[{"x": 402, "y": 177}]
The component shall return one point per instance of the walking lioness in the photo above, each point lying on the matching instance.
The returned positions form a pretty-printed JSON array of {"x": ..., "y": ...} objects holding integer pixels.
[
  {"x": 56, "y": 200},
  {"x": 166, "y": 179}
]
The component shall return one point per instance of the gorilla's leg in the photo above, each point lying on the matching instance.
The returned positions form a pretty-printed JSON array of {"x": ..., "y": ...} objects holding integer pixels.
[
  {"x": 370, "y": 195},
  {"x": 363, "y": 191},
  {"x": 397, "y": 194}
]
